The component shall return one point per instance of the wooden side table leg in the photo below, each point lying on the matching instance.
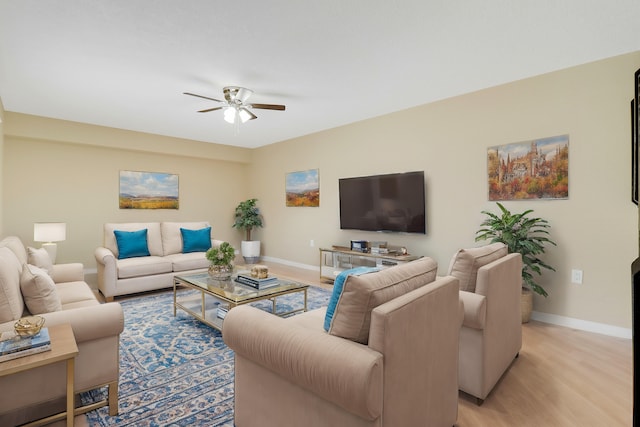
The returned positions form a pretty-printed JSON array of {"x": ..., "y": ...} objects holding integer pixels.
[{"x": 70, "y": 392}]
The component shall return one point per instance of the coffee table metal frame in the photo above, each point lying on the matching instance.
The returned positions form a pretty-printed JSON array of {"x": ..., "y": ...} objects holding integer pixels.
[{"x": 204, "y": 305}]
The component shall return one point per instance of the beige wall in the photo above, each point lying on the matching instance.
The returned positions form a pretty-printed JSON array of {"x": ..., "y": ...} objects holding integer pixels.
[
  {"x": 596, "y": 228},
  {"x": 1, "y": 163},
  {"x": 63, "y": 171},
  {"x": 70, "y": 174}
]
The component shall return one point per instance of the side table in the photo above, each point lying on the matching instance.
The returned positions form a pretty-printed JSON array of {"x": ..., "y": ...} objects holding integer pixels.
[{"x": 63, "y": 347}]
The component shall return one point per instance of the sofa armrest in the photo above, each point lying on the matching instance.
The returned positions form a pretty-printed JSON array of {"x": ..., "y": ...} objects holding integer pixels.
[
  {"x": 71, "y": 272},
  {"x": 475, "y": 309},
  {"x": 338, "y": 370},
  {"x": 107, "y": 271},
  {"x": 90, "y": 322}
]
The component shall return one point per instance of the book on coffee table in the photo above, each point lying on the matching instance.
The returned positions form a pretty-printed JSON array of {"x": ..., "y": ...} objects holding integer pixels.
[{"x": 254, "y": 282}]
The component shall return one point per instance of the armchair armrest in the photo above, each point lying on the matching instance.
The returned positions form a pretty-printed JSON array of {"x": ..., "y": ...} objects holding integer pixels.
[
  {"x": 71, "y": 272},
  {"x": 91, "y": 322},
  {"x": 338, "y": 370},
  {"x": 475, "y": 309},
  {"x": 107, "y": 271}
]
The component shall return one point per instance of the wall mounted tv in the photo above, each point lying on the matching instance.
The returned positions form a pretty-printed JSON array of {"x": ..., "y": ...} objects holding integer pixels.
[{"x": 392, "y": 202}]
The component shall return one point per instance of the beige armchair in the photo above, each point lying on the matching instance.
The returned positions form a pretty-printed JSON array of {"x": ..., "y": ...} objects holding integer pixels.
[
  {"x": 491, "y": 334},
  {"x": 291, "y": 372}
]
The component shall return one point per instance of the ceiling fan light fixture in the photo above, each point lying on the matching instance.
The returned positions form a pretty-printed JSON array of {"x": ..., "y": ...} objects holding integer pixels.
[
  {"x": 230, "y": 114},
  {"x": 244, "y": 115}
]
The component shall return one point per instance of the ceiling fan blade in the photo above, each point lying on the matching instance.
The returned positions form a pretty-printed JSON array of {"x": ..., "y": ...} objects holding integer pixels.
[
  {"x": 200, "y": 96},
  {"x": 268, "y": 106},
  {"x": 209, "y": 109}
]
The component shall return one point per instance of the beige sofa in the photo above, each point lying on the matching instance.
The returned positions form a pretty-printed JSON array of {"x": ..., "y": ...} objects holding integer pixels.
[
  {"x": 292, "y": 372},
  {"x": 144, "y": 273},
  {"x": 491, "y": 334},
  {"x": 41, "y": 392}
]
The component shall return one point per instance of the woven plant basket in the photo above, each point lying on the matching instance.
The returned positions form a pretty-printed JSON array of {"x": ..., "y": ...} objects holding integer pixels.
[{"x": 526, "y": 304}]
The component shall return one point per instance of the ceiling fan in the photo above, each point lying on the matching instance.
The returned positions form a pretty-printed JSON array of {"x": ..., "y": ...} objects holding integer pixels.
[{"x": 235, "y": 105}]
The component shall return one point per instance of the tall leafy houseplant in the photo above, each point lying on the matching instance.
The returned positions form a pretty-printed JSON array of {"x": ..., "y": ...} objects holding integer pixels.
[
  {"x": 522, "y": 234},
  {"x": 248, "y": 217}
]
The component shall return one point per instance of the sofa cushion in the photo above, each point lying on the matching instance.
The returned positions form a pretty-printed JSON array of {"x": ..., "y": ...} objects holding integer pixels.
[
  {"x": 75, "y": 294},
  {"x": 195, "y": 240},
  {"x": 466, "y": 262},
  {"x": 142, "y": 266},
  {"x": 131, "y": 243},
  {"x": 154, "y": 240},
  {"x": 17, "y": 247},
  {"x": 190, "y": 261},
  {"x": 338, "y": 288},
  {"x": 361, "y": 294},
  {"x": 11, "y": 302},
  {"x": 38, "y": 290},
  {"x": 40, "y": 258},
  {"x": 172, "y": 238}
]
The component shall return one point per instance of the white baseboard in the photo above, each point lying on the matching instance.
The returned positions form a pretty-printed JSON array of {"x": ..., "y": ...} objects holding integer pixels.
[{"x": 583, "y": 325}]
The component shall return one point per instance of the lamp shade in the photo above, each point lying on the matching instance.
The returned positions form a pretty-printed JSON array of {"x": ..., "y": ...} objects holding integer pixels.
[{"x": 49, "y": 231}]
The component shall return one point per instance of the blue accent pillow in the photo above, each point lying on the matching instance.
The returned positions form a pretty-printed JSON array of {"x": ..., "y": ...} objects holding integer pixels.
[
  {"x": 196, "y": 240},
  {"x": 338, "y": 287},
  {"x": 132, "y": 243}
]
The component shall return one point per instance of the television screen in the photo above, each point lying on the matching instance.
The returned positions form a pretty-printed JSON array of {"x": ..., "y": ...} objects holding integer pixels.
[{"x": 392, "y": 202}]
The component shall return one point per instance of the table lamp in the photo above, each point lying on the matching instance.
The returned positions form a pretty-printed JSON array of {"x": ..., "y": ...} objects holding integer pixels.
[{"x": 48, "y": 233}]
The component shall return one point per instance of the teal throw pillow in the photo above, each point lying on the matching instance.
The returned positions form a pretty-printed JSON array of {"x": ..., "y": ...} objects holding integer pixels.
[
  {"x": 132, "y": 243},
  {"x": 338, "y": 287},
  {"x": 196, "y": 240}
]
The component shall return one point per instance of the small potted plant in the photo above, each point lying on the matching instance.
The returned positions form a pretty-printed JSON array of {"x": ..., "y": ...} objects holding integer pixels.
[
  {"x": 525, "y": 235},
  {"x": 221, "y": 259},
  {"x": 248, "y": 217}
]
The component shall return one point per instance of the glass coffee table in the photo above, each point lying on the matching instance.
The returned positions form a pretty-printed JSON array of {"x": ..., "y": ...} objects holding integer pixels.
[{"x": 214, "y": 294}]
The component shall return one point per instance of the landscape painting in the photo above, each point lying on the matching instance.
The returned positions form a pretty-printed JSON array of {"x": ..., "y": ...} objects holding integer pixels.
[
  {"x": 537, "y": 169},
  {"x": 303, "y": 188},
  {"x": 148, "y": 190}
]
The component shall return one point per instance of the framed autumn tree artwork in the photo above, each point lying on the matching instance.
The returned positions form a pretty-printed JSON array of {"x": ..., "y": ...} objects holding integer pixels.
[{"x": 536, "y": 169}]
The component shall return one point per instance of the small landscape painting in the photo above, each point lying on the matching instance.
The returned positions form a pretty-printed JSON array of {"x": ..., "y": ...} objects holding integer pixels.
[
  {"x": 148, "y": 190},
  {"x": 303, "y": 188},
  {"x": 537, "y": 169}
]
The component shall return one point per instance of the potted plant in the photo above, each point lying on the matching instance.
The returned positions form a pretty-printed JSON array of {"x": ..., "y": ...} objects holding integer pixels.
[
  {"x": 525, "y": 235},
  {"x": 248, "y": 217},
  {"x": 221, "y": 259}
]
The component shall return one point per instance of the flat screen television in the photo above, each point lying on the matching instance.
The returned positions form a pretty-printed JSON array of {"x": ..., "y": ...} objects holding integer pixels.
[{"x": 392, "y": 202}]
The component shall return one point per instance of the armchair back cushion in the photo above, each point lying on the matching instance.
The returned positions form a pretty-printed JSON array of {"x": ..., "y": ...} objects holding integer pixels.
[
  {"x": 361, "y": 294},
  {"x": 466, "y": 262}
]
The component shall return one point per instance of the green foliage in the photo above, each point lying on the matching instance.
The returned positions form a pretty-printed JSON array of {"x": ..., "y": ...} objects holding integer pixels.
[
  {"x": 521, "y": 234},
  {"x": 247, "y": 216},
  {"x": 222, "y": 255}
]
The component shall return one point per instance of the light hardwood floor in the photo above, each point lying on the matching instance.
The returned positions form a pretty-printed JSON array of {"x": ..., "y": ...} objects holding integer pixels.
[{"x": 563, "y": 377}]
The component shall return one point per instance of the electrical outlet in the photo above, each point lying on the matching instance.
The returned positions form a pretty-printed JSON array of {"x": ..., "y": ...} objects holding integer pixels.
[
  {"x": 576, "y": 276},
  {"x": 311, "y": 243}
]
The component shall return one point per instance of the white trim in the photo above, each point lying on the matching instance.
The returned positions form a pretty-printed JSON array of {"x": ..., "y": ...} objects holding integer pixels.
[
  {"x": 583, "y": 325},
  {"x": 292, "y": 264}
]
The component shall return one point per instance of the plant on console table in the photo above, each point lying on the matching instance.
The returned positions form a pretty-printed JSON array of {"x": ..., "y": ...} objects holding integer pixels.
[
  {"x": 248, "y": 217},
  {"x": 221, "y": 259},
  {"x": 524, "y": 235}
]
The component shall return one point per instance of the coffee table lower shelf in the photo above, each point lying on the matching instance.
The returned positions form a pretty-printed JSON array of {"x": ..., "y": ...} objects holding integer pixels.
[{"x": 204, "y": 304}]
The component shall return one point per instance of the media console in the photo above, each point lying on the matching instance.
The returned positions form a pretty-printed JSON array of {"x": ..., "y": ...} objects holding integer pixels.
[{"x": 340, "y": 258}]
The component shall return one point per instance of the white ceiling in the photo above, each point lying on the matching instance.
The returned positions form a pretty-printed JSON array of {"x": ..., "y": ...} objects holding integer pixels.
[{"x": 126, "y": 64}]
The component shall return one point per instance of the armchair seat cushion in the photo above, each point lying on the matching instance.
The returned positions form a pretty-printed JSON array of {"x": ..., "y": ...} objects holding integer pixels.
[{"x": 143, "y": 266}]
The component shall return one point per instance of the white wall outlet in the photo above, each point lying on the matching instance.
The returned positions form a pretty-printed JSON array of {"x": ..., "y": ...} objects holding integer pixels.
[
  {"x": 576, "y": 276},
  {"x": 312, "y": 243}
]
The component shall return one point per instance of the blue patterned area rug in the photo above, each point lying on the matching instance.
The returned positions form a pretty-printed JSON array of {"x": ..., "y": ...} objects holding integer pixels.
[{"x": 176, "y": 371}]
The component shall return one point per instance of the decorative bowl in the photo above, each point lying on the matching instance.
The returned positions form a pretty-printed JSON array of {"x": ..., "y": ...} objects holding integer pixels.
[{"x": 29, "y": 326}]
